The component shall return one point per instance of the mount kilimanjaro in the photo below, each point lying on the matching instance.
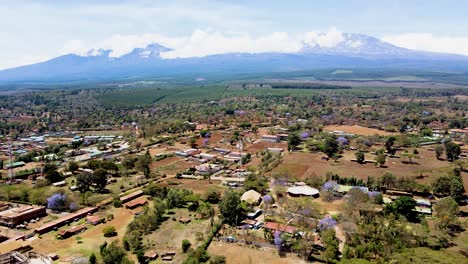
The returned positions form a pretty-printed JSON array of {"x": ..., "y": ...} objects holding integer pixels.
[{"x": 353, "y": 51}]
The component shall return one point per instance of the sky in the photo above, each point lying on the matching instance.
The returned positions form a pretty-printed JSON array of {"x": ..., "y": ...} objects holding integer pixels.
[{"x": 36, "y": 30}]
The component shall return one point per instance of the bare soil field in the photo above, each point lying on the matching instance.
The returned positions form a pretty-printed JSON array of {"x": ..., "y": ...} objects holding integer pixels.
[
  {"x": 260, "y": 146},
  {"x": 169, "y": 236},
  {"x": 358, "y": 130},
  {"x": 428, "y": 99},
  {"x": 197, "y": 186},
  {"x": 301, "y": 166},
  {"x": 165, "y": 161},
  {"x": 235, "y": 253},
  {"x": 175, "y": 167}
]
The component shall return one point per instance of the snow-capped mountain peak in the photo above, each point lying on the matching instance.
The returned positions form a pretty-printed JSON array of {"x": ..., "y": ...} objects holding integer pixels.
[
  {"x": 353, "y": 44},
  {"x": 98, "y": 52},
  {"x": 151, "y": 50}
]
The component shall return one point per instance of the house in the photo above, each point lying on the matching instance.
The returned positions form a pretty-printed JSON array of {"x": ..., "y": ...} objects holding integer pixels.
[
  {"x": 251, "y": 197},
  {"x": 255, "y": 214},
  {"x": 136, "y": 203},
  {"x": 65, "y": 220},
  {"x": 131, "y": 196},
  {"x": 151, "y": 255},
  {"x": 15, "y": 165},
  {"x": 344, "y": 189},
  {"x": 94, "y": 220},
  {"x": 423, "y": 206},
  {"x": 458, "y": 133},
  {"x": 275, "y": 150},
  {"x": 168, "y": 256},
  {"x": 272, "y": 227},
  {"x": 185, "y": 220},
  {"x": 71, "y": 231},
  {"x": 270, "y": 138},
  {"x": 59, "y": 184}
]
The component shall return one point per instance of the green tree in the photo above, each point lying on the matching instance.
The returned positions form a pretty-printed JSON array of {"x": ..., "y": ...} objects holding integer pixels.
[
  {"x": 446, "y": 211},
  {"x": 231, "y": 208},
  {"x": 452, "y": 151},
  {"x": 457, "y": 191},
  {"x": 186, "y": 245},
  {"x": 293, "y": 141},
  {"x": 193, "y": 143},
  {"x": 212, "y": 195},
  {"x": 331, "y": 146},
  {"x": 84, "y": 181},
  {"x": 143, "y": 164},
  {"x": 53, "y": 176},
  {"x": 389, "y": 145},
  {"x": 92, "y": 259},
  {"x": 332, "y": 252},
  {"x": 218, "y": 260},
  {"x": 360, "y": 158},
  {"x": 442, "y": 186},
  {"x": 175, "y": 198},
  {"x": 403, "y": 205},
  {"x": 387, "y": 180},
  {"x": 410, "y": 156},
  {"x": 73, "y": 166},
  {"x": 129, "y": 162},
  {"x": 99, "y": 178},
  {"x": 439, "y": 151},
  {"x": 380, "y": 159},
  {"x": 113, "y": 254}
]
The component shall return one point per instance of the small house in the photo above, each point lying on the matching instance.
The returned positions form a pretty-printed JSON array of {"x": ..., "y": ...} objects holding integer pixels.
[
  {"x": 71, "y": 231},
  {"x": 184, "y": 220},
  {"x": 94, "y": 220}
]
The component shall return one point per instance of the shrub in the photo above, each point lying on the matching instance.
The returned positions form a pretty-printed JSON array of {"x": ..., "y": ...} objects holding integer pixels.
[
  {"x": 185, "y": 245},
  {"x": 109, "y": 231}
]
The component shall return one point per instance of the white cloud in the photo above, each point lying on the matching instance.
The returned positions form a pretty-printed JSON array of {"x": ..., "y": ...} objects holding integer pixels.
[
  {"x": 430, "y": 42},
  {"x": 328, "y": 39},
  {"x": 208, "y": 42}
]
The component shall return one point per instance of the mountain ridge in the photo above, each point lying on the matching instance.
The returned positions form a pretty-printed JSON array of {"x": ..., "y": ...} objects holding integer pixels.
[{"x": 352, "y": 50}]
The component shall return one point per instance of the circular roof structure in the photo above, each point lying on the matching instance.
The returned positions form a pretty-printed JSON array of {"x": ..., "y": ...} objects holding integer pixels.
[{"x": 303, "y": 190}]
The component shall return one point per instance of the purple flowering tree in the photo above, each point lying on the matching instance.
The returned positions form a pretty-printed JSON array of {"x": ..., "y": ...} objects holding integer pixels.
[
  {"x": 327, "y": 223},
  {"x": 267, "y": 199},
  {"x": 343, "y": 141},
  {"x": 330, "y": 186},
  {"x": 305, "y": 135},
  {"x": 205, "y": 142},
  {"x": 327, "y": 190},
  {"x": 57, "y": 202},
  {"x": 73, "y": 207},
  {"x": 278, "y": 241}
]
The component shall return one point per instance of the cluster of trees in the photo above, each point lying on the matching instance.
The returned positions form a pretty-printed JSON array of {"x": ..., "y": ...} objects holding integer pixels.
[{"x": 450, "y": 185}]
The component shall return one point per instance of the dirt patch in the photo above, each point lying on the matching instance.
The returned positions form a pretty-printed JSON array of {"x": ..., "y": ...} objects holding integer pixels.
[
  {"x": 197, "y": 186},
  {"x": 358, "y": 130},
  {"x": 300, "y": 166},
  {"x": 261, "y": 146},
  {"x": 235, "y": 253},
  {"x": 165, "y": 161},
  {"x": 169, "y": 236}
]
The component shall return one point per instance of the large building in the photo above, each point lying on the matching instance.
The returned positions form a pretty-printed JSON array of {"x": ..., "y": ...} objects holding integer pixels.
[
  {"x": 14, "y": 215},
  {"x": 26, "y": 258}
]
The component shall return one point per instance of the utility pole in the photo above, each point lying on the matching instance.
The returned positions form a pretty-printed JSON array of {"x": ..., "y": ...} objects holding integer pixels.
[{"x": 10, "y": 168}]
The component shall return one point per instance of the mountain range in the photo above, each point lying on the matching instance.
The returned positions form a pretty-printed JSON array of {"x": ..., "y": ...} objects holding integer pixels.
[{"x": 353, "y": 51}]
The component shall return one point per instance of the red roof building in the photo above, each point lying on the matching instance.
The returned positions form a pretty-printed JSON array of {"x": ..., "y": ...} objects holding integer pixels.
[{"x": 279, "y": 227}]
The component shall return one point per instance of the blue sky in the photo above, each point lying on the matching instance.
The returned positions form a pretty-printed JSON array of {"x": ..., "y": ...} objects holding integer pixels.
[{"x": 37, "y": 30}]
